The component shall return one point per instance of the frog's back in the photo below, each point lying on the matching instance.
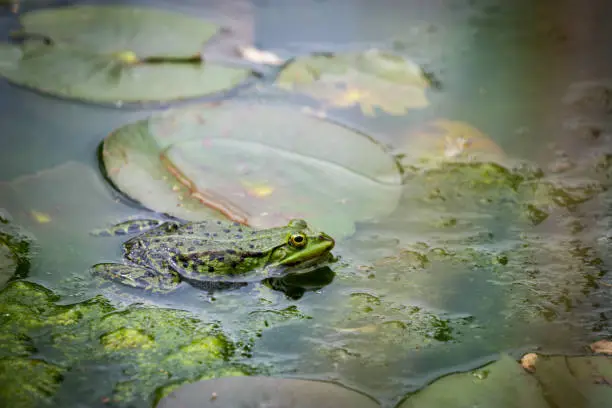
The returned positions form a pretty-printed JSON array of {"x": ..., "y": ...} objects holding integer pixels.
[
  {"x": 220, "y": 233},
  {"x": 216, "y": 230}
]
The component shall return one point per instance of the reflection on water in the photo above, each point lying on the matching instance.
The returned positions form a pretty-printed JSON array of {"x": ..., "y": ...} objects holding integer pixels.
[{"x": 478, "y": 258}]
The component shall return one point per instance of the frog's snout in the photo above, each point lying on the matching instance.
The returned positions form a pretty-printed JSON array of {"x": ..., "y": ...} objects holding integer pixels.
[{"x": 326, "y": 238}]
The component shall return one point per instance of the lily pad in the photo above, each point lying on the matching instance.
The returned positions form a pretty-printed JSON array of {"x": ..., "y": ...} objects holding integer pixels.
[
  {"x": 265, "y": 391},
  {"x": 115, "y": 54},
  {"x": 444, "y": 140},
  {"x": 546, "y": 381},
  {"x": 255, "y": 164},
  {"x": 371, "y": 79},
  {"x": 580, "y": 381},
  {"x": 503, "y": 384}
]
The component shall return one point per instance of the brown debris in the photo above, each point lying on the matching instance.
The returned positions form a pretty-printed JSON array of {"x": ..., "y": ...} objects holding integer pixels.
[
  {"x": 602, "y": 346},
  {"x": 528, "y": 362}
]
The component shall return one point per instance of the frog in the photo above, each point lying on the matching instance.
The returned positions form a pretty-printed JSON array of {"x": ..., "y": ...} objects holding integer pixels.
[{"x": 211, "y": 254}]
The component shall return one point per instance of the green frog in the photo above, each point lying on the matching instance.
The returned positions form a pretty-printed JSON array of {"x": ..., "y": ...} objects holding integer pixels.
[{"x": 211, "y": 253}]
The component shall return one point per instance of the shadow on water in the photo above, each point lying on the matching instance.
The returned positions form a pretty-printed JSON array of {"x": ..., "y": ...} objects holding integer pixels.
[{"x": 459, "y": 272}]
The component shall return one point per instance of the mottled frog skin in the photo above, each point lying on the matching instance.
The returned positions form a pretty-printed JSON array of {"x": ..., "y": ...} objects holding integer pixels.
[{"x": 211, "y": 251}]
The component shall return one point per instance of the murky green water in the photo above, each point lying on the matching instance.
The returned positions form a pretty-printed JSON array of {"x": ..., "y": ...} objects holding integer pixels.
[{"x": 458, "y": 273}]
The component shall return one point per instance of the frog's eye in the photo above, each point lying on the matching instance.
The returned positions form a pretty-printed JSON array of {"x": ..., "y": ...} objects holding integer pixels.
[{"x": 297, "y": 240}]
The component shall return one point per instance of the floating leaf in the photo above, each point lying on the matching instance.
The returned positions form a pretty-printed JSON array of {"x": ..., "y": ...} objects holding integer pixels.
[
  {"x": 265, "y": 392},
  {"x": 370, "y": 80},
  {"x": 115, "y": 54},
  {"x": 444, "y": 139},
  {"x": 258, "y": 165},
  {"x": 503, "y": 384},
  {"x": 567, "y": 382}
]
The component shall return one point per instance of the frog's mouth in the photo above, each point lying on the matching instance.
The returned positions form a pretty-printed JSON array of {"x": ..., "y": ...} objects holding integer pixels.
[{"x": 315, "y": 251}]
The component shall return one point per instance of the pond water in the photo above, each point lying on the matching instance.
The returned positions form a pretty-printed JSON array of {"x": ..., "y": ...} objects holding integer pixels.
[{"x": 458, "y": 273}]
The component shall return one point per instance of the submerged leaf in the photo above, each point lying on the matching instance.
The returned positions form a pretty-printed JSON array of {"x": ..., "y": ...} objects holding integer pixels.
[{"x": 115, "y": 54}]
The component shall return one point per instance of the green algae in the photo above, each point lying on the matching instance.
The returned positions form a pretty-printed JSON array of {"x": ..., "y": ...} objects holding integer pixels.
[
  {"x": 152, "y": 348},
  {"x": 519, "y": 190},
  {"x": 259, "y": 320},
  {"x": 533, "y": 278},
  {"x": 27, "y": 382},
  {"x": 371, "y": 327},
  {"x": 395, "y": 322},
  {"x": 125, "y": 338}
]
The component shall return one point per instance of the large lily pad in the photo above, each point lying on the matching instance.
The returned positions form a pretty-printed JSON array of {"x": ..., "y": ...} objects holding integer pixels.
[
  {"x": 370, "y": 80},
  {"x": 115, "y": 54},
  {"x": 258, "y": 165},
  {"x": 265, "y": 391}
]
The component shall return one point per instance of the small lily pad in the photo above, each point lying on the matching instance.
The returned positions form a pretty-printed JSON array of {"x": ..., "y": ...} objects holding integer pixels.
[
  {"x": 265, "y": 392},
  {"x": 115, "y": 54},
  {"x": 370, "y": 80},
  {"x": 255, "y": 164},
  {"x": 444, "y": 140}
]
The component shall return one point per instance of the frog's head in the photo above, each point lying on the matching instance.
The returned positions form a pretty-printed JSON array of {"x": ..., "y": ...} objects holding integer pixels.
[{"x": 301, "y": 245}]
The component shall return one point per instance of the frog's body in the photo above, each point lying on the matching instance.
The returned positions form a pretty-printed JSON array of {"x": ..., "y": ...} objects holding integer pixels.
[{"x": 211, "y": 251}]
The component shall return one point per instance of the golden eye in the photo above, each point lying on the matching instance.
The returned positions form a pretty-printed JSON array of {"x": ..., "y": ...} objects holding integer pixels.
[{"x": 297, "y": 240}]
